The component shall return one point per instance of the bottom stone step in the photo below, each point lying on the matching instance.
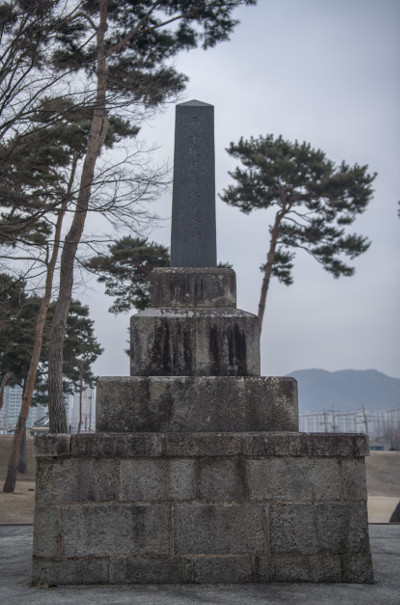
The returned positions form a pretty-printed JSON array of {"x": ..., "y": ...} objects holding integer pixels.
[
  {"x": 230, "y": 569},
  {"x": 160, "y": 508}
]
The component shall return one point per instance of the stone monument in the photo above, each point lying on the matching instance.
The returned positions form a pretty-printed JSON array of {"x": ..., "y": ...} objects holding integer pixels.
[{"x": 197, "y": 472}]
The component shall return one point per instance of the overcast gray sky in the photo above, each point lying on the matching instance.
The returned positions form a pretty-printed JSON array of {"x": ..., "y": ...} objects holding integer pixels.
[{"x": 326, "y": 72}]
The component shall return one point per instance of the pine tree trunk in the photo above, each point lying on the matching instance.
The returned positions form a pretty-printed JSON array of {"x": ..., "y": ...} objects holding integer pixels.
[
  {"x": 11, "y": 477},
  {"x": 3, "y": 385},
  {"x": 21, "y": 467},
  {"x": 9, "y": 484},
  {"x": 268, "y": 268},
  {"x": 98, "y": 130}
]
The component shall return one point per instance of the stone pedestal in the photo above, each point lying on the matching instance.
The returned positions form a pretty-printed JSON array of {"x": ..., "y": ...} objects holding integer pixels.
[
  {"x": 198, "y": 472},
  {"x": 193, "y": 327},
  {"x": 201, "y": 507}
]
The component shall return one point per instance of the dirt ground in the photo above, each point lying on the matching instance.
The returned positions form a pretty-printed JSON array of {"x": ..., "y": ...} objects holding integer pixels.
[{"x": 383, "y": 483}]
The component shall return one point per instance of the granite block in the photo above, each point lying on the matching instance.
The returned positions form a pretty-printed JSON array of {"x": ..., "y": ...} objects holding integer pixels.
[
  {"x": 219, "y": 528},
  {"x": 112, "y": 445},
  {"x": 295, "y": 568},
  {"x": 197, "y": 404},
  {"x": 358, "y": 569},
  {"x": 221, "y": 479},
  {"x": 227, "y": 343},
  {"x": 343, "y": 527},
  {"x": 298, "y": 479},
  {"x": 46, "y": 531},
  {"x": 344, "y": 444},
  {"x": 116, "y": 529},
  {"x": 357, "y": 535},
  {"x": 231, "y": 569},
  {"x": 70, "y": 571},
  {"x": 163, "y": 343},
  {"x": 77, "y": 480},
  {"x": 292, "y": 529},
  {"x": 332, "y": 526},
  {"x": 193, "y": 287},
  {"x": 152, "y": 570},
  {"x": 194, "y": 342},
  {"x": 52, "y": 445},
  {"x": 157, "y": 479},
  {"x": 312, "y": 445},
  {"x": 204, "y": 444},
  {"x": 267, "y": 444},
  {"x": 354, "y": 479}
]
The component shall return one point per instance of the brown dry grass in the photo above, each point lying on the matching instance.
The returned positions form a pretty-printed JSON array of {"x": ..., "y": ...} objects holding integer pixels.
[
  {"x": 383, "y": 482},
  {"x": 17, "y": 507}
]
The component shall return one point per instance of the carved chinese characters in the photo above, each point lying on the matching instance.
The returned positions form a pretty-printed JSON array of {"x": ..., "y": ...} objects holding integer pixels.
[{"x": 194, "y": 196}]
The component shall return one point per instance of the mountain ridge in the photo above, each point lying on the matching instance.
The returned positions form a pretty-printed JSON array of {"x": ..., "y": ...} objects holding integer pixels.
[{"x": 346, "y": 389}]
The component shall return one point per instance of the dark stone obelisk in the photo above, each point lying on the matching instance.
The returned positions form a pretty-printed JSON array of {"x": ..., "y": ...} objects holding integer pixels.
[{"x": 193, "y": 237}]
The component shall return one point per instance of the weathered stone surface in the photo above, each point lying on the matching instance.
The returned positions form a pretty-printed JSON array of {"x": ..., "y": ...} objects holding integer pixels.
[
  {"x": 157, "y": 479},
  {"x": 194, "y": 287},
  {"x": 357, "y": 527},
  {"x": 334, "y": 528},
  {"x": 221, "y": 479},
  {"x": 202, "y": 510},
  {"x": 358, "y": 569},
  {"x": 162, "y": 343},
  {"x": 267, "y": 444},
  {"x": 116, "y": 529},
  {"x": 193, "y": 236},
  {"x": 216, "y": 529},
  {"x": 52, "y": 445},
  {"x": 332, "y": 523},
  {"x": 108, "y": 445},
  {"x": 213, "y": 404},
  {"x": 46, "y": 531},
  {"x": 70, "y": 571},
  {"x": 293, "y": 529},
  {"x": 152, "y": 570},
  {"x": 293, "y": 568},
  {"x": 345, "y": 444},
  {"x": 227, "y": 344},
  {"x": 77, "y": 480},
  {"x": 204, "y": 444},
  {"x": 230, "y": 569},
  {"x": 354, "y": 483},
  {"x": 259, "y": 444},
  {"x": 294, "y": 479},
  {"x": 194, "y": 342},
  {"x": 306, "y": 444}
]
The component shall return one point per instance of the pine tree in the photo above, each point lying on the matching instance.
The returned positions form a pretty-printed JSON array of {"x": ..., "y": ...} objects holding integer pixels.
[
  {"x": 314, "y": 202},
  {"x": 17, "y": 346},
  {"x": 17, "y": 320},
  {"x": 125, "y": 271}
]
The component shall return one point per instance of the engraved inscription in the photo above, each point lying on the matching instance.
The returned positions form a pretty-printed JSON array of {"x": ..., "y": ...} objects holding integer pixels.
[
  {"x": 195, "y": 221},
  {"x": 193, "y": 237}
]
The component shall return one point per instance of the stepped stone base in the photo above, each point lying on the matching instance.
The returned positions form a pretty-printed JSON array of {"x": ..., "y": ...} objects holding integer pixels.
[
  {"x": 194, "y": 342},
  {"x": 193, "y": 328},
  {"x": 195, "y": 404},
  {"x": 201, "y": 507},
  {"x": 193, "y": 287}
]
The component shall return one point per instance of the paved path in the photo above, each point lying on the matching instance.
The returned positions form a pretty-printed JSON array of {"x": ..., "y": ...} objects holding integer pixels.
[{"x": 15, "y": 561}]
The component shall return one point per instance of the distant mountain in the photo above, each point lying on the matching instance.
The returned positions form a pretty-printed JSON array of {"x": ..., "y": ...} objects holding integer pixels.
[{"x": 346, "y": 390}]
